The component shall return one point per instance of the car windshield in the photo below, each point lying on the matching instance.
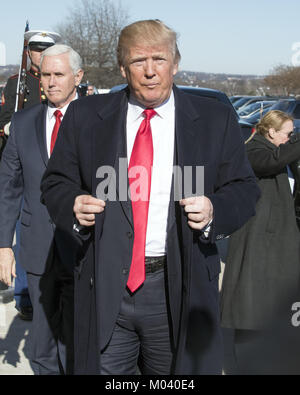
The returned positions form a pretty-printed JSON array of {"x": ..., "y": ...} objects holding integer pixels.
[
  {"x": 249, "y": 108},
  {"x": 252, "y": 108},
  {"x": 282, "y": 105},
  {"x": 256, "y": 117},
  {"x": 240, "y": 102}
]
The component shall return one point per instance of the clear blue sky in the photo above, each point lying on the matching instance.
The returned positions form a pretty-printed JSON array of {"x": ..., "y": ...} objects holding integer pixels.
[{"x": 230, "y": 36}]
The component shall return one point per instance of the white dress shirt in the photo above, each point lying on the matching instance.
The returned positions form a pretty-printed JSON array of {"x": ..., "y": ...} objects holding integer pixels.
[
  {"x": 50, "y": 121},
  {"x": 163, "y": 135}
]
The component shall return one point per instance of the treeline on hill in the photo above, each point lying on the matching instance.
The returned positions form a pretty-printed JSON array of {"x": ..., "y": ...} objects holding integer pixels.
[{"x": 92, "y": 29}]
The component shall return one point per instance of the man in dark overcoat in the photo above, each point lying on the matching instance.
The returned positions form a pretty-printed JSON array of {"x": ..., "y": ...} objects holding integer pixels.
[{"x": 146, "y": 290}]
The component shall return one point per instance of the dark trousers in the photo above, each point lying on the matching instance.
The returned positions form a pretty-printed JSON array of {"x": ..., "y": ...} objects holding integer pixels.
[
  {"x": 141, "y": 337},
  {"x": 21, "y": 293},
  {"x": 43, "y": 345},
  {"x": 52, "y": 297}
]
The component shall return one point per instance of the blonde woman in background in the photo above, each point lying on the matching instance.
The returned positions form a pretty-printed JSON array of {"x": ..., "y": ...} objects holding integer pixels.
[{"x": 262, "y": 270}]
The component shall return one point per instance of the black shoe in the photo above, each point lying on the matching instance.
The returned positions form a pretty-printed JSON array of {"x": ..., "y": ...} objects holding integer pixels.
[{"x": 25, "y": 313}]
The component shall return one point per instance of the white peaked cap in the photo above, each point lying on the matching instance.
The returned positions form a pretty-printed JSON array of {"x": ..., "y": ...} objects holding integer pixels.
[{"x": 42, "y": 37}]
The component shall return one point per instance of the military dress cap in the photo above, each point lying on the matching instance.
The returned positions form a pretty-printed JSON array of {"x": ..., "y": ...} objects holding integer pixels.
[{"x": 39, "y": 39}]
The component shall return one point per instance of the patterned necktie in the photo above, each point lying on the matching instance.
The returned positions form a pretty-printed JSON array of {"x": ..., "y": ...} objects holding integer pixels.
[
  {"x": 140, "y": 162},
  {"x": 58, "y": 116}
]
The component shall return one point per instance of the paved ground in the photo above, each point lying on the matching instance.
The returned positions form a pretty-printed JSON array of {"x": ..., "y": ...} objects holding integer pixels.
[{"x": 14, "y": 343}]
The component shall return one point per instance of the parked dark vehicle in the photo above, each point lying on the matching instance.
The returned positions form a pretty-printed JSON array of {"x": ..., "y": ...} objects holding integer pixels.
[
  {"x": 117, "y": 88},
  {"x": 254, "y": 119},
  {"x": 246, "y": 127},
  {"x": 290, "y": 106},
  {"x": 252, "y": 109},
  {"x": 235, "y": 98},
  {"x": 244, "y": 101}
]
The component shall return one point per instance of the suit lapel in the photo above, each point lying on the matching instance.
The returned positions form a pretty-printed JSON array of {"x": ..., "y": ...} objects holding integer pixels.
[
  {"x": 189, "y": 127},
  {"x": 40, "y": 131},
  {"x": 110, "y": 142},
  {"x": 185, "y": 130},
  {"x": 122, "y": 176}
]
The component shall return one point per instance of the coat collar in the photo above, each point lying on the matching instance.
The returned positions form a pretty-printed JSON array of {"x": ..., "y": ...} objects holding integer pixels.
[
  {"x": 34, "y": 73},
  {"x": 189, "y": 121},
  {"x": 258, "y": 139},
  {"x": 188, "y": 124},
  {"x": 110, "y": 141},
  {"x": 185, "y": 107},
  {"x": 110, "y": 130}
]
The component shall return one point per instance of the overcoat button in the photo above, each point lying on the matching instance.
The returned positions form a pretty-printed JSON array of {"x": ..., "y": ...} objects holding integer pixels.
[{"x": 91, "y": 282}]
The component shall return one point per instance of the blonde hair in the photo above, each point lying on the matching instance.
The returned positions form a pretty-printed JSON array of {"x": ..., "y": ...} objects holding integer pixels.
[
  {"x": 273, "y": 119},
  {"x": 152, "y": 32}
]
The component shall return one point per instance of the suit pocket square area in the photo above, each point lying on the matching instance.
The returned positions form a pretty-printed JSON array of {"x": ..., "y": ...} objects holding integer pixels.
[{"x": 25, "y": 218}]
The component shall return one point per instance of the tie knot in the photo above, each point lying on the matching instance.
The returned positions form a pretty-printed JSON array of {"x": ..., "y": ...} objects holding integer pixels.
[
  {"x": 149, "y": 113},
  {"x": 58, "y": 114}
]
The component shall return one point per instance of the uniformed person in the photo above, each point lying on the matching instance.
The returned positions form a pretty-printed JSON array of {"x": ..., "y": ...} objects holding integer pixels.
[{"x": 38, "y": 41}]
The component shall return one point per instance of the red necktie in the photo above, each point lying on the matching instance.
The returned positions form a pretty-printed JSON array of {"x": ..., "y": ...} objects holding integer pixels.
[
  {"x": 58, "y": 116},
  {"x": 142, "y": 155}
]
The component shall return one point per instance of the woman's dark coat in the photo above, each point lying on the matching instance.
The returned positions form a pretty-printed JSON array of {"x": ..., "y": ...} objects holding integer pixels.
[{"x": 262, "y": 269}]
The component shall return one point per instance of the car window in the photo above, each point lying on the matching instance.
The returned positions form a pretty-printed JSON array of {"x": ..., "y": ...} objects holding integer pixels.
[
  {"x": 240, "y": 102},
  {"x": 255, "y": 118},
  {"x": 281, "y": 105},
  {"x": 249, "y": 108},
  {"x": 296, "y": 112}
]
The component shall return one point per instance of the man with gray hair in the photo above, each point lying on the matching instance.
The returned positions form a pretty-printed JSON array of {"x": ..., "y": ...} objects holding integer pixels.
[
  {"x": 38, "y": 41},
  {"x": 50, "y": 282}
]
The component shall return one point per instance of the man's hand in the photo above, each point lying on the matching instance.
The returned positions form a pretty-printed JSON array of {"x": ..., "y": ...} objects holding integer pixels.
[
  {"x": 85, "y": 208},
  {"x": 6, "y": 128},
  {"x": 7, "y": 266},
  {"x": 200, "y": 211}
]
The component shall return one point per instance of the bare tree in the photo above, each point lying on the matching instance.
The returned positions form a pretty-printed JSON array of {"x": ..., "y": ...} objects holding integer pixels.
[
  {"x": 92, "y": 29},
  {"x": 284, "y": 80}
]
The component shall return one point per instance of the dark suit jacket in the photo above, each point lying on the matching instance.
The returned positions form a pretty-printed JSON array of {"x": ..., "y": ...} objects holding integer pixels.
[
  {"x": 22, "y": 166},
  {"x": 93, "y": 135}
]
